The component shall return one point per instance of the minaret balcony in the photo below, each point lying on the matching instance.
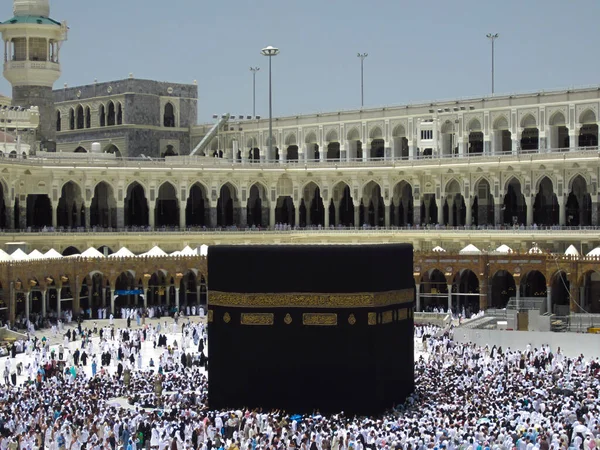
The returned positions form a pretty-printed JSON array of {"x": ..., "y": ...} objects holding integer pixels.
[{"x": 31, "y": 65}]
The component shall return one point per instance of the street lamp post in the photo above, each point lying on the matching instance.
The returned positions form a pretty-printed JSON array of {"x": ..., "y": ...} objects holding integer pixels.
[
  {"x": 270, "y": 52},
  {"x": 254, "y": 70},
  {"x": 362, "y": 57},
  {"x": 492, "y": 38}
]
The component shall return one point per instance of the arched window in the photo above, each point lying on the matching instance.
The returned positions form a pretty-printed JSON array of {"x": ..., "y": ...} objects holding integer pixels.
[
  {"x": 119, "y": 114},
  {"x": 88, "y": 117},
  {"x": 102, "y": 115},
  {"x": 79, "y": 113},
  {"x": 110, "y": 119},
  {"x": 169, "y": 117},
  {"x": 71, "y": 119},
  {"x": 58, "y": 121}
]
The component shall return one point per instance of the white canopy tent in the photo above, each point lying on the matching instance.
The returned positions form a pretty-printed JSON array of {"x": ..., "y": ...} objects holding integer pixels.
[
  {"x": 438, "y": 249},
  {"x": 19, "y": 255},
  {"x": 36, "y": 254},
  {"x": 5, "y": 256},
  {"x": 188, "y": 251},
  {"x": 504, "y": 249},
  {"x": 535, "y": 249},
  {"x": 52, "y": 254},
  {"x": 92, "y": 253},
  {"x": 572, "y": 251},
  {"x": 203, "y": 250},
  {"x": 123, "y": 252},
  {"x": 469, "y": 249},
  {"x": 155, "y": 251},
  {"x": 595, "y": 252}
]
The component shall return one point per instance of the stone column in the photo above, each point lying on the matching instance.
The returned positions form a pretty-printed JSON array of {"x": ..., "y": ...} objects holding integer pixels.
[
  {"x": 121, "y": 214},
  {"x": 151, "y": 214},
  {"x": 337, "y": 206},
  {"x": 76, "y": 301},
  {"x": 450, "y": 201},
  {"x": 440, "y": 210},
  {"x": 412, "y": 150},
  {"x": 272, "y": 215},
  {"x": 322, "y": 153},
  {"x": 243, "y": 217},
  {"x": 54, "y": 207},
  {"x": 326, "y": 217},
  {"x": 574, "y": 296},
  {"x": 357, "y": 223},
  {"x": 23, "y": 215},
  {"x": 562, "y": 211},
  {"x": 88, "y": 208},
  {"x": 498, "y": 215},
  {"x": 469, "y": 212},
  {"x": 177, "y": 299},
  {"x": 573, "y": 139},
  {"x": 58, "y": 301},
  {"x": 297, "y": 216},
  {"x": 213, "y": 216},
  {"x": 387, "y": 213},
  {"x": 483, "y": 294},
  {"x": 366, "y": 150},
  {"x": 27, "y": 304},
  {"x": 44, "y": 292},
  {"x": 594, "y": 209},
  {"x": 145, "y": 297},
  {"x": 343, "y": 152},
  {"x": 308, "y": 218},
  {"x": 549, "y": 299},
  {"x": 529, "y": 204},
  {"x": 516, "y": 142},
  {"x": 417, "y": 211},
  {"x": 449, "y": 298},
  {"x": 10, "y": 219},
  {"x": 103, "y": 295},
  {"x": 387, "y": 151},
  {"x": 182, "y": 205},
  {"x": 418, "y": 296},
  {"x": 487, "y": 145}
]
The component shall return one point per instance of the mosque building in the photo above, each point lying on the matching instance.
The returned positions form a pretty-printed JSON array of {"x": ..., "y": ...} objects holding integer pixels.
[{"x": 125, "y": 163}]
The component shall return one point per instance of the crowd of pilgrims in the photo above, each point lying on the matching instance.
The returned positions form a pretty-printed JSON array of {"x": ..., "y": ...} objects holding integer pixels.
[{"x": 466, "y": 398}]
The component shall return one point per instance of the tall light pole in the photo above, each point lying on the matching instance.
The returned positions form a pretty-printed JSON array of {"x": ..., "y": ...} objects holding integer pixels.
[
  {"x": 270, "y": 52},
  {"x": 254, "y": 70},
  {"x": 492, "y": 38},
  {"x": 362, "y": 57}
]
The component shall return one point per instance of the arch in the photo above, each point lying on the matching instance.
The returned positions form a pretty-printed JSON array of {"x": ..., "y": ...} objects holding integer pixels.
[
  {"x": 136, "y": 205},
  {"x": 544, "y": 179},
  {"x": 227, "y": 205},
  {"x": 376, "y": 133},
  {"x": 110, "y": 114},
  {"x": 71, "y": 119},
  {"x": 453, "y": 186},
  {"x": 402, "y": 207},
  {"x": 311, "y": 138},
  {"x": 399, "y": 131},
  {"x": 353, "y": 134},
  {"x": 196, "y": 207},
  {"x": 503, "y": 289},
  {"x": 501, "y": 123},
  {"x": 588, "y": 117},
  {"x": 88, "y": 117},
  {"x": 257, "y": 213},
  {"x": 71, "y": 250},
  {"x": 58, "y": 121},
  {"x": 111, "y": 148},
  {"x": 71, "y": 209},
  {"x": 166, "y": 211},
  {"x": 545, "y": 206},
  {"x": 332, "y": 136},
  {"x": 557, "y": 119},
  {"x": 533, "y": 284},
  {"x": 80, "y": 149},
  {"x": 483, "y": 203},
  {"x": 169, "y": 151},
  {"x": 372, "y": 206},
  {"x": 591, "y": 292},
  {"x": 80, "y": 119},
  {"x": 528, "y": 121},
  {"x": 169, "y": 115},
  {"x": 119, "y": 113},
  {"x": 434, "y": 290},
  {"x": 515, "y": 208},
  {"x": 290, "y": 139},
  {"x": 474, "y": 125},
  {"x": 102, "y": 115},
  {"x": 372, "y": 183},
  {"x": 252, "y": 142},
  {"x": 465, "y": 292},
  {"x": 560, "y": 292},
  {"x": 448, "y": 127},
  {"x": 579, "y": 202},
  {"x": 103, "y": 210}
]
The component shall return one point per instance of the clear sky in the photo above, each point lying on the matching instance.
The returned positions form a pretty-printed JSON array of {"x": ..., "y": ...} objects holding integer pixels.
[{"x": 418, "y": 50}]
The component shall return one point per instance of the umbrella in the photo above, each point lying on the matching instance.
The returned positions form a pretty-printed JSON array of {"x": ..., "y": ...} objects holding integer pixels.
[{"x": 483, "y": 420}]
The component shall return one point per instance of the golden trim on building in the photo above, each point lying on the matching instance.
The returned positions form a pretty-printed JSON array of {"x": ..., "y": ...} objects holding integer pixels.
[
  {"x": 257, "y": 319},
  {"x": 351, "y": 319},
  {"x": 287, "y": 319},
  {"x": 387, "y": 317},
  {"x": 210, "y": 316},
  {"x": 311, "y": 300},
  {"x": 319, "y": 319},
  {"x": 226, "y": 318},
  {"x": 372, "y": 318},
  {"x": 402, "y": 314}
]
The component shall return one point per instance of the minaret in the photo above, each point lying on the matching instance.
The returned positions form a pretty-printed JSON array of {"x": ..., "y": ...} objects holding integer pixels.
[{"x": 32, "y": 43}]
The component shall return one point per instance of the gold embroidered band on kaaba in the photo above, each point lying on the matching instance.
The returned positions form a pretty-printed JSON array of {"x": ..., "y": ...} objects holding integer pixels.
[{"x": 311, "y": 300}]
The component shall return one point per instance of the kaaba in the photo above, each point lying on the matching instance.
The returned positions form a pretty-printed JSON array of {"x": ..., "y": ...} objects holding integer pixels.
[{"x": 303, "y": 328}]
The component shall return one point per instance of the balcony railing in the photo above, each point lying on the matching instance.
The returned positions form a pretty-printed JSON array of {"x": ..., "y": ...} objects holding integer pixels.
[
  {"x": 195, "y": 162},
  {"x": 44, "y": 65}
]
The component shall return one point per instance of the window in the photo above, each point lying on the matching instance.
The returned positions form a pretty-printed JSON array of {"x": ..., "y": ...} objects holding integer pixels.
[
  {"x": 169, "y": 117},
  {"x": 58, "y": 121},
  {"x": 426, "y": 134}
]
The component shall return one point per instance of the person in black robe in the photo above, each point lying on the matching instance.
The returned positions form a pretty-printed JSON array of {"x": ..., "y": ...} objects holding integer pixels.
[
  {"x": 119, "y": 370},
  {"x": 13, "y": 350},
  {"x": 84, "y": 358},
  {"x": 76, "y": 357},
  {"x": 201, "y": 346}
]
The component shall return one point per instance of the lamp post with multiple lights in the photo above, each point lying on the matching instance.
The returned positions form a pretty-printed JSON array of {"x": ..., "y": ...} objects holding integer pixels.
[
  {"x": 270, "y": 52},
  {"x": 362, "y": 57},
  {"x": 492, "y": 38}
]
